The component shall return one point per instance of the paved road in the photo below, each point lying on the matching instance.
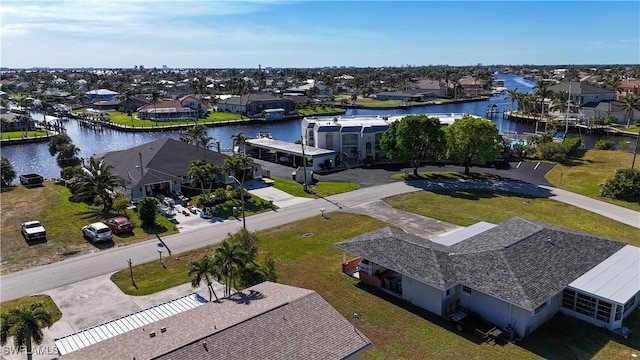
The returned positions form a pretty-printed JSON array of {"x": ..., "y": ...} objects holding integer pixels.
[{"x": 39, "y": 279}]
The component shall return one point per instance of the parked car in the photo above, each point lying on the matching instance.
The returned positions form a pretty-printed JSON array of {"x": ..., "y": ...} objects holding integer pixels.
[
  {"x": 119, "y": 224},
  {"x": 33, "y": 230},
  {"x": 97, "y": 232}
]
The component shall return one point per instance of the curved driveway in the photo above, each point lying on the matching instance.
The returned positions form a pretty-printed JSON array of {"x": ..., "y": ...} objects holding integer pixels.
[{"x": 38, "y": 279}]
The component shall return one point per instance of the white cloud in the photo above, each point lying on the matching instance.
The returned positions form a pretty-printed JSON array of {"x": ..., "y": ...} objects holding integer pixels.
[{"x": 13, "y": 29}]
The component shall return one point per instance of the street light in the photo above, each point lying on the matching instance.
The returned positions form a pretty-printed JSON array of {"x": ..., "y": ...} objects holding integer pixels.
[{"x": 244, "y": 223}]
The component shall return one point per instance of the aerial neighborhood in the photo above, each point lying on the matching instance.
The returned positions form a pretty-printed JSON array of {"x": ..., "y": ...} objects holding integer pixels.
[
  {"x": 501, "y": 279},
  {"x": 207, "y": 211}
]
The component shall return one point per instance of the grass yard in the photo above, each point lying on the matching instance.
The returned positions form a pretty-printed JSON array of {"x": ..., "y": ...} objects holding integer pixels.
[
  {"x": 63, "y": 220},
  {"x": 467, "y": 207},
  {"x": 56, "y": 314},
  {"x": 305, "y": 257},
  {"x": 215, "y": 116},
  {"x": 319, "y": 110},
  {"x": 586, "y": 174},
  {"x": 320, "y": 189},
  {"x": 7, "y": 135},
  {"x": 253, "y": 205}
]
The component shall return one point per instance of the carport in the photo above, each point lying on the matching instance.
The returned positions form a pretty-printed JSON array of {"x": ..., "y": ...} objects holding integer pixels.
[{"x": 276, "y": 151}]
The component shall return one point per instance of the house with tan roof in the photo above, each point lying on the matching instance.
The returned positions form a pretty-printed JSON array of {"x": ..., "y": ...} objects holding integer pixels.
[
  {"x": 516, "y": 274},
  {"x": 266, "y": 321},
  {"x": 184, "y": 108},
  {"x": 254, "y": 104}
]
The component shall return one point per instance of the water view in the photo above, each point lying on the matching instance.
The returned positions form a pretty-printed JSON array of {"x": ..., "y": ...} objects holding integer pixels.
[{"x": 35, "y": 158}]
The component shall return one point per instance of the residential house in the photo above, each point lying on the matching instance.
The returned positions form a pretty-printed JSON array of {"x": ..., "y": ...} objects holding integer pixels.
[
  {"x": 428, "y": 87},
  {"x": 628, "y": 86},
  {"x": 101, "y": 94},
  {"x": 516, "y": 274},
  {"x": 186, "y": 107},
  {"x": 254, "y": 104},
  {"x": 406, "y": 95},
  {"x": 472, "y": 86},
  {"x": 265, "y": 321},
  {"x": 13, "y": 122},
  {"x": 356, "y": 137},
  {"x": 582, "y": 93},
  {"x": 161, "y": 166}
]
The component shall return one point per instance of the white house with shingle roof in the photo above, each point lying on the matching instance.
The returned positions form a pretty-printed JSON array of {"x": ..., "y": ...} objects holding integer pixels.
[{"x": 516, "y": 274}]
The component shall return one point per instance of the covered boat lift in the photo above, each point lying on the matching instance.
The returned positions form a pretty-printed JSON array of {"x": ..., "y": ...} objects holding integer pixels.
[{"x": 291, "y": 154}]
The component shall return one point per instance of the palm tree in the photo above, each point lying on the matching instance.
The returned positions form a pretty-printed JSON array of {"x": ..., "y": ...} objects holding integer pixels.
[
  {"x": 204, "y": 269},
  {"x": 631, "y": 103},
  {"x": 127, "y": 97},
  {"x": 198, "y": 172},
  {"x": 613, "y": 82},
  {"x": 24, "y": 323},
  {"x": 560, "y": 101},
  {"x": 542, "y": 93},
  {"x": 155, "y": 98},
  {"x": 229, "y": 258},
  {"x": 240, "y": 139},
  {"x": 513, "y": 96},
  {"x": 56, "y": 141},
  {"x": 238, "y": 165},
  {"x": 68, "y": 155},
  {"x": 96, "y": 182}
]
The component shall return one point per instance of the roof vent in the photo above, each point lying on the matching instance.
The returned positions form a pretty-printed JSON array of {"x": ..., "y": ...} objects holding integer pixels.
[
  {"x": 152, "y": 334},
  {"x": 163, "y": 329},
  {"x": 549, "y": 240}
]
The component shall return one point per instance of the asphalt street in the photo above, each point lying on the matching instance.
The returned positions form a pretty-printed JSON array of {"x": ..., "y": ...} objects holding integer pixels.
[{"x": 38, "y": 279}]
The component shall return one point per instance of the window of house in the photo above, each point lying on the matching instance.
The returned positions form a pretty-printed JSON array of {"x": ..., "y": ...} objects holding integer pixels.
[
  {"x": 329, "y": 141},
  {"x": 539, "y": 308},
  {"x": 448, "y": 292},
  {"x": 466, "y": 290}
]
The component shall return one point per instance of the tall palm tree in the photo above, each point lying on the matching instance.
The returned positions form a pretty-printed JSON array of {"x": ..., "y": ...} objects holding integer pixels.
[
  {"x": 155, "y": 98},
  {"x": 543, "y": 92},
  {"x": 96, "y": 182},
  {"x": 631, "y": 103},
  {"x": 229, "y": 258},
  {"x": 68, "y": 155},
  {"x": 240, "y": 140},
  {"x": 238, "y": 165},
  {"x": 560, "y": 101},
  {"x": 24, "y": 324},
  {"x": 204, "y": 269},
  {"x": 613, "y": 82},
  {"x": 56, "y": 141},
  {"x": 198, "y": 172},
  {"x": 513, "y": 96}
]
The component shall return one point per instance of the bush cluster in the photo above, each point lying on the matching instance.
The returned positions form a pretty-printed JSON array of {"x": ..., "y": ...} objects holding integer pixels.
[
  {"x": 604, "y": 145},
  {"x": 625, "y": 185}
]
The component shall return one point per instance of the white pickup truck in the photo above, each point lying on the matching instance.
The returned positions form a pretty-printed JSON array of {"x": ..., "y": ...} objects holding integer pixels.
[{"x": 33, "y": 230}]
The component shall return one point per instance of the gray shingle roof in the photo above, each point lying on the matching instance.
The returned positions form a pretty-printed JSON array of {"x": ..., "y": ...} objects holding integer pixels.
[{"x": 514, "y": 261}]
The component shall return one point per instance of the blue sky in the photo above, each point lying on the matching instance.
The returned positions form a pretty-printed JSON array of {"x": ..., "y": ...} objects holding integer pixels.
[{"x": 273, "y": 33}]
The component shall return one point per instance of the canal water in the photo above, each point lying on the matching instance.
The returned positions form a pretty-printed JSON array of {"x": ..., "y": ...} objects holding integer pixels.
[{"x": 35, "y": 158}]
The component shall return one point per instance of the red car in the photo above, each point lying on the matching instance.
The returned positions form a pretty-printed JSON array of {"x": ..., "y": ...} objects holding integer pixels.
[{"x": 119, "y": 225}]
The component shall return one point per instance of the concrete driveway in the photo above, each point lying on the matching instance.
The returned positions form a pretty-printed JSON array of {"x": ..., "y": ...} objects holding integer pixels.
[{"x": 95, "y": 301}]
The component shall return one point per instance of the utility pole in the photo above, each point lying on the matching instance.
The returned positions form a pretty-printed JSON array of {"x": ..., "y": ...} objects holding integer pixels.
[
  {"x": 144, "y": 189},
  {"x": 633, "y": 162},
  {"x": 304, "y": 165}
]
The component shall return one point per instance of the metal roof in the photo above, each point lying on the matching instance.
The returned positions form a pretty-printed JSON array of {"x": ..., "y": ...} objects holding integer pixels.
[
  {"x": 287, "y": 147},
  {"x": 90, "y": 336},
  {"x": 616, "y": 279},
  {"x": 464, "y": 233}
]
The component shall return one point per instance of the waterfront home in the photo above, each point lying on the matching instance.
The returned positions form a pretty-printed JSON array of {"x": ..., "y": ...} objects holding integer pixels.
[
  {"x": 582, "y": 93},
  {"x": 628, "y": 86},
  {"x": 184, "y": 108},
  {"x": 356, "y": 137},
  {"x": 13, "y": 122},
  {"x": 101, "y": 94},
  {"x": 254, "y": 104},
  {"x": 265, "y": 321},
  {"x": 161, "y": 166},
  {"x": 516, "y": 274}
]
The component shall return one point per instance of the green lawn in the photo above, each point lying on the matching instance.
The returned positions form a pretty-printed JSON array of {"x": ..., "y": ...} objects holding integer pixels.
[
  {"x": 215, "y": 116},
  {"x": 253, "y": 205},
  {"x": 63, "y": 220},
  {"x": 6, "y": 135},
  {"x": 56, "y": 314},
  {"x": 586, "y": 174},
  {"x": 305, "y": 257},
  {"x": 320, "y": 189},
  {"x": 319, "y": 110}
]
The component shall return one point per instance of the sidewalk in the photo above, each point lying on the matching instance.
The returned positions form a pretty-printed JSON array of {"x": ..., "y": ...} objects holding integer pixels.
[{"x": 95, "y": 301}]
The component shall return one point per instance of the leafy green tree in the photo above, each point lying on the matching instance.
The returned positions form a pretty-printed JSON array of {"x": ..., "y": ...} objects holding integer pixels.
[
  {"x": 414, "y": 138},
  {"x": 24, "y": 324},
  {"x": 204, "y": 269},
  {"x": 240, "y": 140},
  {"x": 147, "y": 210},
  {"x": 238, "y": 164},
  {"x": 68, "y": 156},
  {"x": 471, "y": 139},
  {"x": 248, "y": 241},
  {"x": 7, "y": 172},
  {"x": 56, "y": 141},
  {"x": 625, "y": 185},
  {"x": 120, "y": 203},
  {"x": 269, "y": 268}
]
